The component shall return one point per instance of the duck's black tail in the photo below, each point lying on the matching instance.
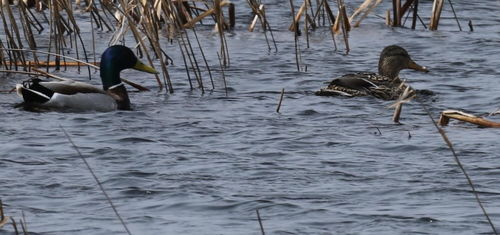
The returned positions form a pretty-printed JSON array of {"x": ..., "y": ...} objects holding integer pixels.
[{"x": 34, "y": 92}]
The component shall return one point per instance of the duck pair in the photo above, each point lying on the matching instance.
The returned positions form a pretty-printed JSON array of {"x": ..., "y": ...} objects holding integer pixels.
[{"x": 75, "y": 95}]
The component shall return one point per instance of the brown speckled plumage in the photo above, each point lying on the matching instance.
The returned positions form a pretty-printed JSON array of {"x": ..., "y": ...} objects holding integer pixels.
[{"x": 385, "y": 85}]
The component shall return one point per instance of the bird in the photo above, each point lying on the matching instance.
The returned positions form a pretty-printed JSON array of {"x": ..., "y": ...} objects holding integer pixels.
[
  {"x": 70, "y": 95},
  {"x": 385, "y": 85}
]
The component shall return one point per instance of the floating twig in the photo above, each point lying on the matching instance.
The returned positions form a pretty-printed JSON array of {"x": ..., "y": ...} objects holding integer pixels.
[
  {"x": 281, "y": 99},
  {"x": 260, "y": 222},
  {"x": 96, "y": 180},
  {"x": 455, "y": 114}
]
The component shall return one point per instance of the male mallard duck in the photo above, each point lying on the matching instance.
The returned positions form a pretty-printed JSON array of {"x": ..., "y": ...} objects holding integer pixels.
[
  {"x": 385, "y": 85},
  {"x": 80, "y": 96}
]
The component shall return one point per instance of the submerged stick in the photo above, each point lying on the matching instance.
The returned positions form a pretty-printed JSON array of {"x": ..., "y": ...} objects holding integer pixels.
[
  {"x": 281, "y": 99},
  {"x": 260, "y": 222},
  {"x": 459, "y": 163},
  {"x": 96, "y": 180},
  {"x": 455, "y": 15}
]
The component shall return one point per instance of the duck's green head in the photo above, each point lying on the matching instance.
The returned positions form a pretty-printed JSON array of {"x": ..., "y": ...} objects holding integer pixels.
[
  {"x": 115, "y": 59},
  {"x": 394, "y": 59}
]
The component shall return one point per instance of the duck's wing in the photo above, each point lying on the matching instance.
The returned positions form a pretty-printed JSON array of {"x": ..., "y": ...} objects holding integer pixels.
[
  {"x": 37, "y": 91},
  {"x": 70, "y": 87},
  {"x": 356, "y": 81},
  {"x": 356, "y": 84}
]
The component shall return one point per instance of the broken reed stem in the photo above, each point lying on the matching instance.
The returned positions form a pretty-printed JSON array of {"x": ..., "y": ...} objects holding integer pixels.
[
  {"x": 223, "y": 74},
  {"x": 2, "y": 217},
  {"x": 256, "y": 17},
  {"x": 459, "y": 163},
  {"x": 415, "y": 11},
  {"x": 204, "y": 59},
  {"x": 281, "y": 99},
  {"x": 96, "y": 180},
  {"x": 455, "y": 15},
  {"x": 437, "y": 7},
  {"x": 296, "y": 35},
  {"x": 397, "y": 113},
  {"x": 14, "y": 225},
  {"x": 447, "y": 114},
  {"x": 22, "y": 221},
  {"x": 344, "y": 23},
  {"x": 260, "y": 222},
  {"x": 365, "y": 14},
  {"x": 396, "y": 7}
]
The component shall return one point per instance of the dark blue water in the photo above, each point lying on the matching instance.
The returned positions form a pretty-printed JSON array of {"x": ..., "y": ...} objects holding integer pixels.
[{"x": 193, "y": 163}]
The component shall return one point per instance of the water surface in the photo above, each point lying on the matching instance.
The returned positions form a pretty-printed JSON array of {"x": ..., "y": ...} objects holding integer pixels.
[{"x": 194, "y": 163}]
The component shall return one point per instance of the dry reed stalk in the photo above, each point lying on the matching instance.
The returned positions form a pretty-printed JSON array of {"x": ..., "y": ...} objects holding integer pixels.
[
  {"x": 332, "y": 21},
  {"x": 24, "y": 225},
  {"x": 396, "y": 8},
  {"x": 361, "y": 8},
  {"x": 397, "y": 113},
  {"x": 297, "y": 17},
  {"x": 10, "y": 40},
  {"x": 135, "y": 31},
  {"x": 3, "y": 219},
  {"x": 205, "y": 60},
  {"x": 232, "y": 15},
  {"x": 459, "y": 163},
  {"x": 281, "y": 99},
  {"x": 223, "y": 74},
  {"x": 437, "y": 7},
  {"x": 188, "y": 53},
  {"x": 306, "y": 23},
  {"x": 14, "y": 225},
  {"x": 296, "y": 36},
  {"x": 455, "y": 114},
  {"x": 388, "y": 20},
  {"x": 51, "y": 63},
  {"x": 153, "y": 35},
  {"x": 415, "y": 14},
  {"x": 260, "y": 222},
  {"x": 220, "y": 25},
  {"x": 367, "y": 10},
  {"x": 455, "y": 15},
  {"x": 256, "y": 17},
  {"x": 205, "y": 14},
  {"x": 405, "y": 97},
  {"x": 28, "y": 32},
  {"x": 343, "y": 21},
  {"x": 91, "y": 171},
  {"x": 259, "y": 12}
]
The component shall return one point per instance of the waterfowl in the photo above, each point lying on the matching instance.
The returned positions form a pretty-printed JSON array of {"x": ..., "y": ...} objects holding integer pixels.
[
  {"x": 385, "y": 85},
  {"x": 80, "y": 96}
]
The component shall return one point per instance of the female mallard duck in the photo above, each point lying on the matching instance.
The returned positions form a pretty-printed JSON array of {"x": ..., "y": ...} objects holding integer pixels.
[
  {"x": 385, "y": 85},
  {"x": 79, "y": 96}
]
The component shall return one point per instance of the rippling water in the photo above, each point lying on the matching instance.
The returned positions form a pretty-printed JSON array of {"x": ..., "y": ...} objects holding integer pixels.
[{"x": 193, "y": 163}]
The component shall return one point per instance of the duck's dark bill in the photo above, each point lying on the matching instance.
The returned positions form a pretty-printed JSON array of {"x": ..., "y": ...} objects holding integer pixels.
[
  {"x": 415, "y": 66},
  {"x": 142, "y": 67}
]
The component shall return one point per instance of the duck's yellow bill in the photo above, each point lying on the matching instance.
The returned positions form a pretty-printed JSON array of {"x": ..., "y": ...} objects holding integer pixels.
[
  {"x": 142, "y": 67},
  {"x": 415, "y": 66}
]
